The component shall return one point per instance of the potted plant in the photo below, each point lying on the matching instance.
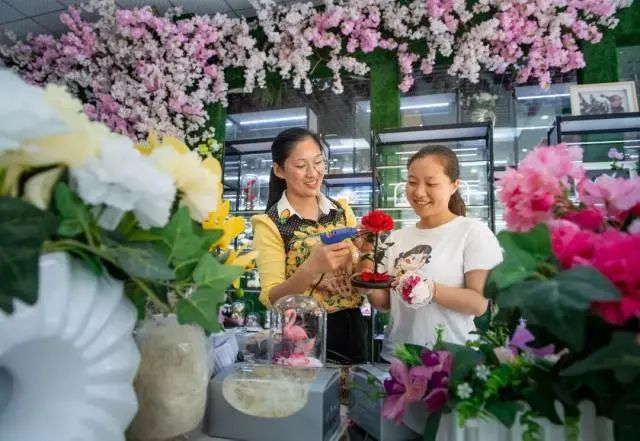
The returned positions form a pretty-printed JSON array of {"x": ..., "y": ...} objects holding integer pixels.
[
  {"x": 375, "y": 224},
  {"x": 91, "y": 230},
  {"x": 567, "y": 328}
]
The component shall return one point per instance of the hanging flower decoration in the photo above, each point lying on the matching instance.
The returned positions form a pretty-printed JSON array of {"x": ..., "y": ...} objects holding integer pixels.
[{"x": 136, "y": 70}]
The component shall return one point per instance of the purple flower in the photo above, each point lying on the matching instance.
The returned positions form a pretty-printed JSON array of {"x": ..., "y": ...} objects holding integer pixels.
[
  {"x": 406, "y": 386},
  {"x": 522, "y": 337},
  {"x": 615, "y": 154}
]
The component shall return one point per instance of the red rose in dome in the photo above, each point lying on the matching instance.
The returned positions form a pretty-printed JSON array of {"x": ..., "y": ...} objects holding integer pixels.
[{"x": 377, "y": 221}]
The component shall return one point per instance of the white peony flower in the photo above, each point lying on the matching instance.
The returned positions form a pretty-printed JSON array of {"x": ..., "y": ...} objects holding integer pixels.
[
  {"x": 123, "y": 179},
  {"x": 24, "y": 113}
]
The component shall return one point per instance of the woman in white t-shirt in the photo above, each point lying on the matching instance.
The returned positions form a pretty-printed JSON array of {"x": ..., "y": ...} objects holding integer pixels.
[{"x": 440, "y": 265}]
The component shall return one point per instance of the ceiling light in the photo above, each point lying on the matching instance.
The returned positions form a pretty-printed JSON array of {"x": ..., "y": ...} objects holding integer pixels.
[
  {"x": 544, "y": 117},
  {"x": 273, "y": 120},
  {"x": 541, "y": 97}
]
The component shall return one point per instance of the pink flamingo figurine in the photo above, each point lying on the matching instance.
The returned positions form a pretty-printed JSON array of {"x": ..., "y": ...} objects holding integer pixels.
[{"x": 293, "y": 332}]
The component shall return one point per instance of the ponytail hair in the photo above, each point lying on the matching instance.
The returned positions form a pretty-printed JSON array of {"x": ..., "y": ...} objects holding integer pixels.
[
  {"x": 451, "y": 166},
  {"x": 277, "y": 186},
  {"x": 281, "y": 147}
]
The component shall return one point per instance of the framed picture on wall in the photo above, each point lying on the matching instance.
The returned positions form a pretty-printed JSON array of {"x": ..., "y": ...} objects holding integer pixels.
[{"x": 603, "y": 98}]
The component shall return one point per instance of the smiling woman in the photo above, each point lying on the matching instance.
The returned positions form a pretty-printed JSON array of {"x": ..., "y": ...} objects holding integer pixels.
[
  {"x": 440, "y": 264},
  {"x": 292, "y": 259}
]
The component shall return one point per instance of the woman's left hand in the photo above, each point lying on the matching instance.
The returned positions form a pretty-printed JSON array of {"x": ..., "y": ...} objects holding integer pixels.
[{"x": 360, "y": 241}]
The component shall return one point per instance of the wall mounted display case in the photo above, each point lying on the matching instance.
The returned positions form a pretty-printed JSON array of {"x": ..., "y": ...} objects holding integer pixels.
[{"x": 597, "y": 134}]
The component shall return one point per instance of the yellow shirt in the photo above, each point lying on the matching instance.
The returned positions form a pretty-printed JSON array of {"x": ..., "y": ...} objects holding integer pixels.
[{"x": 284, "y": 241}]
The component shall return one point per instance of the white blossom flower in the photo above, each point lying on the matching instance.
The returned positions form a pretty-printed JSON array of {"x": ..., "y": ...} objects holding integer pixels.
[
  {"x": 482, "y": 372},
  {"x": 25, "y": 113},
  {"x": 125, "y": 180},
  {"x": 464, "y": 391}
]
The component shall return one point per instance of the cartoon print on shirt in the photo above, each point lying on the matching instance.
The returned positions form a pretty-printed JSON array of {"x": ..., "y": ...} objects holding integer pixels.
[{"x": 410, "y": 277}]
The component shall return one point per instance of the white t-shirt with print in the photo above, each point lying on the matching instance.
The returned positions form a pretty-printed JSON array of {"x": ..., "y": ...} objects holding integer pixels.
[{"x": 445, "y": 253}]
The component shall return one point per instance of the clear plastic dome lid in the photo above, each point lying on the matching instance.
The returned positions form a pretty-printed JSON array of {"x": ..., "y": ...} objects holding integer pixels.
[{"x": 298, "y": 332}]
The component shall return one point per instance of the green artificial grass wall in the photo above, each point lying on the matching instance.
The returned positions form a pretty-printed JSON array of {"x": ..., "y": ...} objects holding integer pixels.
[
  {"x": 602, "y": 59},
  {"x": 385, "y": 95}
]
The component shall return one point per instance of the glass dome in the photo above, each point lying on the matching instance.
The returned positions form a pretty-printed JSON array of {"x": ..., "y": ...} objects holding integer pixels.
[{"x": 298, "y": 332}]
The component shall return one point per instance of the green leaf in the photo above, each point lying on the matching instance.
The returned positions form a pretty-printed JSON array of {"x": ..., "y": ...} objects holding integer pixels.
[
  {"x": 625, "y": 415},
  {"x": 541, "y": 395},
  {"x": 523, "y": 253},
  {"x": 23, "y": 230},
  {"x": 184, "y": 242},
  {"x": 622, "y": 356},
  {"x": 560, "y": 305},
  {"x": 535, "y": 242},
  {"x": 409, "y": 354},
  {"x": 504, "y": 411},
  {"x": 431, "y": 427},
  {"x": 90, "y": 260},
  {"x": 201, "y": 308},
  {"x": 74, "y": 214},
  {"x": 465, "y": 359},
  {"x": 138, "y": 298},
  {"x": 211, "y": 274},
  {"x": 140, "y": 259}
]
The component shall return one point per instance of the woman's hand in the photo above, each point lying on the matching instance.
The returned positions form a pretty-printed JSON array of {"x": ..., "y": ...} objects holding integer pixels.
[
  {"x": 363, "y": 245},
  {"x": 328, "y": 258}
]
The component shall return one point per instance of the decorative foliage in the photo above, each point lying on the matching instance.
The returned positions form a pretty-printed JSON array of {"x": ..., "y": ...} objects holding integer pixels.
[
  {"x": 136, "y": 71},
  {"x": 91, "y": 193}
]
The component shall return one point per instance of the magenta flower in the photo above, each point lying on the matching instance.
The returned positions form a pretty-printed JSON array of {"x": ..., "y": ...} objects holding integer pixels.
[
  {"x": 439, "y": 364},
  {"x": 406, "y": 386}
]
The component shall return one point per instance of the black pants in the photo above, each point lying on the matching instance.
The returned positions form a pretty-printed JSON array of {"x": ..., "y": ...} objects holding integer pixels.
[{"x": 346, "y": 337}]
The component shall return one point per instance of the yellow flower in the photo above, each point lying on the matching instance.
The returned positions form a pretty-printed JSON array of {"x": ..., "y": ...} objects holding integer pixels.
[
  {"x": 245, "y": 260},
  {"x": 153, "y": 143},
  {"x": 232, "y": 227},
  {"x": 38, "y": 188},
  {"x": 73, "y": 148},
  {"x": 199, "y": 181}
]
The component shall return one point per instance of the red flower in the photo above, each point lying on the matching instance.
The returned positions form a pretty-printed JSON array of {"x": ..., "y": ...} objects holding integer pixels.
[
  {"x": 377, "y": 221},
  {"x": 368, "y": 276}
]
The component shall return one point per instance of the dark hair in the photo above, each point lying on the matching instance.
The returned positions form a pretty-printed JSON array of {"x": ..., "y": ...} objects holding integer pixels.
[
  {"x": 280, "y": 150},
  {"x": 451, "y": 169},
  {"x": 418, "y": 249}
]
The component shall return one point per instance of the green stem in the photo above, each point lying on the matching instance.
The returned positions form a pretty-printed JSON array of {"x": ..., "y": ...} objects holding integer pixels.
[
  {"x": 551, "y": 268},
  {"x": 149, "y": 293},
  {"x": 375, "y": 255},
  {"x": 70, "y": 244}
]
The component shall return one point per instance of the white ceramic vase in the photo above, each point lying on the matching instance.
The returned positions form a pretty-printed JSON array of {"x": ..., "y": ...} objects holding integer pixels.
[{"x": 67, "y": 363}]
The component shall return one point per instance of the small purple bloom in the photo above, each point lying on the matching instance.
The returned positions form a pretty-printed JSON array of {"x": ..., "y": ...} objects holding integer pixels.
[
  {"x": 430, "y": 358},
  {"x": 615, "y": 154},
  {"x": 439, "y": 380},
  {"x": 520, "y": 341}
]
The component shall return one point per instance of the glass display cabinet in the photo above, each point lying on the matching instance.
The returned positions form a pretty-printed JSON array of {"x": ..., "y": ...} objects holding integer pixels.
[
  {"x": 267, "y": 124},
  {"x": 597, "y": 134},
  {"x": 473, "y": 144}
]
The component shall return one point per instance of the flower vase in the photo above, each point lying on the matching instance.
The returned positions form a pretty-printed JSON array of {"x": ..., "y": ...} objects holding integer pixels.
[
  {"x": 67, "y": 362},
  {"x": 171, "y": 385}
]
